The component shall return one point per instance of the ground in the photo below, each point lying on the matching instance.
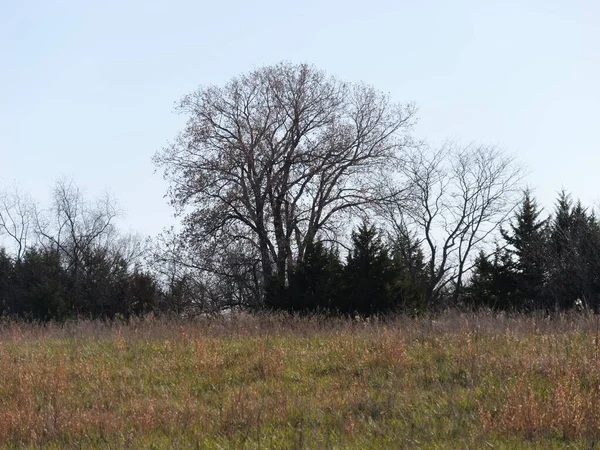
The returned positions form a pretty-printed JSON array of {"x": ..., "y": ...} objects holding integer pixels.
[{"x": 451, "y": 381}]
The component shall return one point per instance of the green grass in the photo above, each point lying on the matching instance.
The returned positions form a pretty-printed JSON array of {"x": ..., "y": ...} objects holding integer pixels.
[{"x": 460, "y": 381}]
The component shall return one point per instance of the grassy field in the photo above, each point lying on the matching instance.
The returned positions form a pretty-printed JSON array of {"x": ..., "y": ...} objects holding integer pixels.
[{"x": 456, "y": 381}]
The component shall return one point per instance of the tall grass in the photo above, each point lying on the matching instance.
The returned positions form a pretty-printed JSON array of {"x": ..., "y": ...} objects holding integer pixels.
[{"x": 453, "y": 381}]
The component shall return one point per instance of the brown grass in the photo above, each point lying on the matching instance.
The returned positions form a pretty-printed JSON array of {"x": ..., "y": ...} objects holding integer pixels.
[{"x": 454, "y": 381}]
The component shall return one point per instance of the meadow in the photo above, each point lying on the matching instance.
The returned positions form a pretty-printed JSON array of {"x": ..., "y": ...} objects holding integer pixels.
[{"x": 456, "y": 380}]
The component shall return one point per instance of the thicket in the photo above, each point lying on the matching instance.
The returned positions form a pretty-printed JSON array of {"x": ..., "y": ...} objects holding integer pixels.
[{"x": 550, "y": 264}]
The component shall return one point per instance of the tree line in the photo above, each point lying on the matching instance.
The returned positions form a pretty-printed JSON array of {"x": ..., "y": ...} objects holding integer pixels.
[
  {"x": 70, "y": 261},
  {"x": 548, "y": 263},
  {"x": 536, "y": 263},
  {"x": 301, "y": 192}
]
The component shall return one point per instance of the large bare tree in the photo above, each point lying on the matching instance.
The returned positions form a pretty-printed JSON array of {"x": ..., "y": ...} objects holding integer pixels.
[
  {"x": 459, "y": 196},
  {"x": 278, "y": 158}
]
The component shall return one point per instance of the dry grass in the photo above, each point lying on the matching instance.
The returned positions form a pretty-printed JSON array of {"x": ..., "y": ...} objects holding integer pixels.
[{"x": 459, "y": 381}]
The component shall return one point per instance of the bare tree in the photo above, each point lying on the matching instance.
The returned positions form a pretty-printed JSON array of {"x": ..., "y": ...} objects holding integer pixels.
[
  {"x": 72, "y": 226},
  {"x": 16, "y": 218},
  {"x": 132, "y": 248},
  {"x": 203, "y": 282},
  {"x": 458, "y": 197},
  {"x": 278, "y": 158}
]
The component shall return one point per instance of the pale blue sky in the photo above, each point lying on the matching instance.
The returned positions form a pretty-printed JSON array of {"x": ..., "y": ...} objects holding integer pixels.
[{"x": 87, "y": 88}]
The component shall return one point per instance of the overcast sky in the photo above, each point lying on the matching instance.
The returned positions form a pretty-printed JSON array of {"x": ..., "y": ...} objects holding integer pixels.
[{"x": 87, "y": 89}]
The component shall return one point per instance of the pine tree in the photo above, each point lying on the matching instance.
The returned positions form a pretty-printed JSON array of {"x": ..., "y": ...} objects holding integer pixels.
[
  {"x": 493, "y": 282},
  {"x": 42, "y": 287},
  {"x": 6, "y": 282},
  {"x": 368, "y": 274},
  {"x": 561, "y": 224},
  {"x": 574, "y": 255},
  {"x": 315, "y": 283},
  {"x": 409, "y": 285},
  {"x": 527, "y": 246},
  {"x": 480, "y": 289}
]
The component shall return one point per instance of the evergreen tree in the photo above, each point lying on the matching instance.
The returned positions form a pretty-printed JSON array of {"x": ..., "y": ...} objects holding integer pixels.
[
  {"x": 588, "y": 267},
  {"x": 493, "y": 282},
  {"x": 368, "y": 275},
  {"x": 561, "y": 224},
  {"x": 6, "y": 282},
  {"x": 315, "y": 283},
  {"x": 410, "y": 280},
  {"x": 41, "y": 287},
  {"x": 574, "y": 255},
  {"x": 480, "y": 289},
  {"x": 526, "y": 241}
]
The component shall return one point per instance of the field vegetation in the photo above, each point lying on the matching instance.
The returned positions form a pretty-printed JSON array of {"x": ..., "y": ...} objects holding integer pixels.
[{"x": 456, "y": 380}]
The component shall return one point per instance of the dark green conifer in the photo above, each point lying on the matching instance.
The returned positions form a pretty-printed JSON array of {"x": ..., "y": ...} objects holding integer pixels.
[{"x": 368, "y": 274}]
